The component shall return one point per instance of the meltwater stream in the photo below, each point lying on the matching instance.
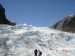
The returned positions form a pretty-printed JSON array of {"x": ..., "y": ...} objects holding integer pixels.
[{"x": 22, "y": 40}]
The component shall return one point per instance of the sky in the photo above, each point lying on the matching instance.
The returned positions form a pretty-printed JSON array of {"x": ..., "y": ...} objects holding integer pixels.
[{"x": 42, "y": 13}]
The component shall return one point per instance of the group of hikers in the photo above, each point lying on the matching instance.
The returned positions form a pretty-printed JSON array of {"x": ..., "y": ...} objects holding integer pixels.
[{"x": 37, "y": 52}]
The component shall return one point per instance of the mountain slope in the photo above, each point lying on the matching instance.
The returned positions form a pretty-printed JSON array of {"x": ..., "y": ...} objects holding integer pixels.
[
  {"x": 3, "y": 19},
  {"x": 22, "y": 40},
  {"x": 66, "y": 24}
]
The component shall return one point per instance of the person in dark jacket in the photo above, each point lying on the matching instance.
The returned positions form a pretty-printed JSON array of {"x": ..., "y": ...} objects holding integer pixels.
[
  {"x": 40, "y": 53},
  {"x": 37, "y": 52}
]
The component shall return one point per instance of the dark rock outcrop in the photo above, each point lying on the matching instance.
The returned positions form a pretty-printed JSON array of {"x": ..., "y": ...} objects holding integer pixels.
[
  {"x": 67, "y": 24},
  {"x": 3, "y": 19}
]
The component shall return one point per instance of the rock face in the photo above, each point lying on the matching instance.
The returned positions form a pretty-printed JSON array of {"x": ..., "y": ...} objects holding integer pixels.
[
  {"x": 66, "y": 24},
  {"x": 3, "y": 19}
]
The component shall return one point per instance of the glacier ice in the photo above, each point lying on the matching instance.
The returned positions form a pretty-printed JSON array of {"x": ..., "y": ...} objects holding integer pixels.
[{"x": 22, "y": 40}]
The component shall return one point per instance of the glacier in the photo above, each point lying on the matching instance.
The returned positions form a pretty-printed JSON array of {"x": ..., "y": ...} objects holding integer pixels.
[{"x": 22, "y": 40}]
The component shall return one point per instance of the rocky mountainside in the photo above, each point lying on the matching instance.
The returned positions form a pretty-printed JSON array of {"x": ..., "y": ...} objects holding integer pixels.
[
  {"x": 3, "y": 19},
  {"x": 66, "y": 24}
]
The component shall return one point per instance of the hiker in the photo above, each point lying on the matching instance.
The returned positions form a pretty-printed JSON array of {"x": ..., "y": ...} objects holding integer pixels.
[
  {"x": 37, "y": 52},
  {"x": 40, "y": 53}
]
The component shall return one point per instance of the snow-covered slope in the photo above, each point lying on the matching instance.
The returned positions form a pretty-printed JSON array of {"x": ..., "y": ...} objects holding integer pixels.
[{"x": 22, "y": 40}]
